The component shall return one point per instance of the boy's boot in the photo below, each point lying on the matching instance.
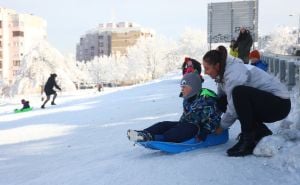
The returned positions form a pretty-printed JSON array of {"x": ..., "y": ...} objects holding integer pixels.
[{"x": 138, "y": 136}]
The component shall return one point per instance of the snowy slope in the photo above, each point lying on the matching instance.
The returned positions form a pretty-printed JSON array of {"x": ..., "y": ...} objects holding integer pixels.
[{"x": 82, "y": 140}]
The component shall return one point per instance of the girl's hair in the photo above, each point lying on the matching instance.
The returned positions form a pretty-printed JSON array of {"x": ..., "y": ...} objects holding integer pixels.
[
  {"x": 217, "y": 56},
  {"x": 196, "y": 64}
]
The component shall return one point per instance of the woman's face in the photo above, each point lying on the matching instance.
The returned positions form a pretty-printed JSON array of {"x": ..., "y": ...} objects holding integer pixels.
[{"x": 211, "y": 70}]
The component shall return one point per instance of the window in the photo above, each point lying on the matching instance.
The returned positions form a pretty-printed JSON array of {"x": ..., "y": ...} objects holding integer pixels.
[
  {"x": 18, "y": 34},
  {"x": 0, "y": 24},
  {"x": 15, "y": 72},
  {"x": 101, "y": 44},
  {"x": 100, "y": 37},
  {"x": 16, "y": 62},
  {"x": 0, "y": 64}
]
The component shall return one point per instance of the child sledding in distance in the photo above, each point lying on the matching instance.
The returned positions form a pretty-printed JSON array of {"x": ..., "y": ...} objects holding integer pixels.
[
  {"x": 25, "y": 104},
  {"x": 200, "y": 116}
]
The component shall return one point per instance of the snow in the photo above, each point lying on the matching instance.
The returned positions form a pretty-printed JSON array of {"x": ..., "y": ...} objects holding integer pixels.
[{"x": 82, "y": 140}]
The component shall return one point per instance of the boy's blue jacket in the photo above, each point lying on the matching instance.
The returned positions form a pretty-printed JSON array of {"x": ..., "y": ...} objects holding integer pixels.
[
  {"x": 261, "y": 64},
  {"x": 202, "y": 111}
]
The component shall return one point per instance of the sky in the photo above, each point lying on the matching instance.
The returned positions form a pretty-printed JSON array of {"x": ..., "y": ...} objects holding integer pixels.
[
  {"x": 67, "y": 20},
  {"x": 82, "y": 140}
]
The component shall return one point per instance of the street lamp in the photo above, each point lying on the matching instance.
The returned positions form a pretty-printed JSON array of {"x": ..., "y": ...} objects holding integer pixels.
[{"x": 298, "y": 30}]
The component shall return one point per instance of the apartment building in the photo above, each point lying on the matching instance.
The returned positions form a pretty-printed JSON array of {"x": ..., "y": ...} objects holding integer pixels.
[
  {"x": 18, "y": 34},
  {"x": 97, "y": 43},
  {"x": 109, "y": 39}
]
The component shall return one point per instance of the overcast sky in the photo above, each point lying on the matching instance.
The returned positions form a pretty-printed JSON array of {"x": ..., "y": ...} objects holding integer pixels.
[{"x": 67, "y": 20}]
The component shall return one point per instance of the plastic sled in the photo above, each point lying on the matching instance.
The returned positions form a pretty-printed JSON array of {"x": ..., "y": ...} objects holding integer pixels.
[
  {"x": 192, "y": 144},
  {"x": 23, "y": 110}
]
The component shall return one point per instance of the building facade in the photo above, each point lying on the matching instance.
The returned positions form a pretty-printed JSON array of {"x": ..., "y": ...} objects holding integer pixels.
[
  {"x": 18, "y": 34},
  {"x": 109, "y": 39}
]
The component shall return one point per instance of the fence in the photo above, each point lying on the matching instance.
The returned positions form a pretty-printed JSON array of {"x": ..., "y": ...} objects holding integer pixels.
[{"x": 286, "y": 68}]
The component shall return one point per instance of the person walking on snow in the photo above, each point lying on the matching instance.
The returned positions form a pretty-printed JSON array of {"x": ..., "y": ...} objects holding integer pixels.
[
  {"x": 248, "y": 94},
  {"x": 243, "y": 44},
  {"x": 50, "y": 84},
  {"x": 200, "y": 116}
]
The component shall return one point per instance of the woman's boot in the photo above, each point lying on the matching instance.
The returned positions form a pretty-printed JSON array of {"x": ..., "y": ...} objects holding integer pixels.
[{"x": 245, "y": 146}]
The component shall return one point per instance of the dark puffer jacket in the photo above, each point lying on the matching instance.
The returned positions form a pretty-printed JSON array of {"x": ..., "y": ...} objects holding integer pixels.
[
  {"x": 243, "y": 43},
  {"x": 50, "y": 84}
]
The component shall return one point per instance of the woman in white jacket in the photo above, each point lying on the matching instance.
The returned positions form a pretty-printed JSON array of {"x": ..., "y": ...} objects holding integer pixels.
[{"x": 248, "y": 94}]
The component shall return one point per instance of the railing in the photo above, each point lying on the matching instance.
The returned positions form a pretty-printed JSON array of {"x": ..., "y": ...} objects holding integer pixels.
[{"x": 286, "y": 68}]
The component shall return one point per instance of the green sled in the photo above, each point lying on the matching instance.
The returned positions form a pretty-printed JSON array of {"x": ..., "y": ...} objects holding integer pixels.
[{"x": 23, "y": 110}]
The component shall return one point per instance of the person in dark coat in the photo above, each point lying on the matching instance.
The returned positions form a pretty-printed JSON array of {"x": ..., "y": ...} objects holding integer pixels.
[
  {"x": 243, "y": 44},
  {"x": 50, "y": 84}
]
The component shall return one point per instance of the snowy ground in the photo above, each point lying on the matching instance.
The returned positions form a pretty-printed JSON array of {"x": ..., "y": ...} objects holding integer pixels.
[{"x": 82, "y": 140}]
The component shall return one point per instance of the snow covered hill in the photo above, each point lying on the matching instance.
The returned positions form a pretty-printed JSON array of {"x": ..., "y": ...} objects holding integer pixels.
[{"x": 82, "y": 141}]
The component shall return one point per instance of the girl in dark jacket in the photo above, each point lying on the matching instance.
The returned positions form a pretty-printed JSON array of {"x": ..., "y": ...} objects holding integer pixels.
[{"x": 50, "y": 84}]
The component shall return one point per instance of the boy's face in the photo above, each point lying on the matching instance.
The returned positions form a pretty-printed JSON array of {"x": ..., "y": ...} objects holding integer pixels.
[{"x": 186, "y": 90}]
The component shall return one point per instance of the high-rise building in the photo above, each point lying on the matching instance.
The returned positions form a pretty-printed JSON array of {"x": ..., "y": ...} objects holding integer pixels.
[
  {"x": 18, "y": 34},
  {"x": 109, "y": 39}
]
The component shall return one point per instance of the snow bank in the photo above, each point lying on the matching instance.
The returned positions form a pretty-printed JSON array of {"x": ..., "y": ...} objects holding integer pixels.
[{"x": 284, "y": 145}]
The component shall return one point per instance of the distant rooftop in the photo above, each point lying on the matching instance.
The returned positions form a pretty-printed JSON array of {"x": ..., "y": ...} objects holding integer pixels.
[{"x": 119, "y": 27}]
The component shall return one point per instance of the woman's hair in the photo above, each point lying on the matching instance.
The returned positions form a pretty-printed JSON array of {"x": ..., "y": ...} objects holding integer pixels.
[
  {"x": 217, "y": 56},
  {"x": 223, "y": 51}
]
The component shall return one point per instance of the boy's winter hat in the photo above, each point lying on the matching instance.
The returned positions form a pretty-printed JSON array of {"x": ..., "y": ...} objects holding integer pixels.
[
  {"x": 194, "y": 81},
  {"x": 254, "y": 54}
]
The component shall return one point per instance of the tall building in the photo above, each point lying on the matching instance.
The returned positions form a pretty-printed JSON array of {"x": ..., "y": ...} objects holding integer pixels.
[
  {"x": 109, "y": 39},
  {"x": 18, "y": 34}
]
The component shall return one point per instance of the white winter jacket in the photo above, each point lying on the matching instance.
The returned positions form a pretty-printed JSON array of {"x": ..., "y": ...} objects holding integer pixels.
[{"x": 238, "y": 73}]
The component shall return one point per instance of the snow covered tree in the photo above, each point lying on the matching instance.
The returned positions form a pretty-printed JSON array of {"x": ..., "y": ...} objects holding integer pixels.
[
  {"x": 280, "y": 41},
  {"x": 38, "y": 64},
  {"x": 193, "y": 43}
]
